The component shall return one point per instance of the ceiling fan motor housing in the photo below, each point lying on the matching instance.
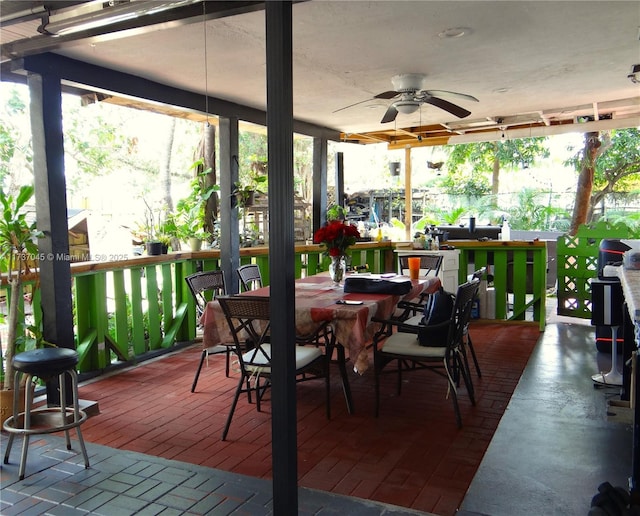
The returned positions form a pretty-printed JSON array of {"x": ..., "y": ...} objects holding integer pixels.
[{"x": 408, "y": 82}]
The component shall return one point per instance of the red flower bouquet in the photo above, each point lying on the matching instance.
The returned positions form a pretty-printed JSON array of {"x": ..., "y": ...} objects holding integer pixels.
[{"x": 336, "y": 236}]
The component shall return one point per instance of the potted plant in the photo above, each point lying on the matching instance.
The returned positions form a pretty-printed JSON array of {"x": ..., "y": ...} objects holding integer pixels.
[
  {"x": 257, "y": 180},
  {"x": 18, "y": 255},
  {"x": 191, "y": 210},
  {"x": 156, "y": 231}
]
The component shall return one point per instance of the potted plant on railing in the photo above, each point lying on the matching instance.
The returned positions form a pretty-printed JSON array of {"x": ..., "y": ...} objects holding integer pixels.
[
  {"x": 18, "y": 256},
  {"x": 156, "y": 231}
]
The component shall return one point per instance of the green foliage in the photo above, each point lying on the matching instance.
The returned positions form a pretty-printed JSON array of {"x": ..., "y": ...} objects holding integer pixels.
[
  {"x": 469, "y": 185},
  {"x": 18, "y": 253},
  {"x": 253, "y": 149},
  {"x": 532, "y": 212},
  {"x": 18, "y": 236},
  {"x": 15, "y": 150},
  {"x": 452, "y": 216},
  {"x": 521, "y": 152},
  {"x": 617, "y": 165},
  {"x": 336, "y": 212},
  {"x": 630, "y": 220},
  {"x": 189, "y": 220}
]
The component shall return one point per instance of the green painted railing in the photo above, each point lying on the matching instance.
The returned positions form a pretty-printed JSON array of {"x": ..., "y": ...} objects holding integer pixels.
[
  {"x": 124, "y": 310},
  {"x": 577, "y": 264},
  {"x": 519, "y": 276},
  {"x": 130, "y": 309}
]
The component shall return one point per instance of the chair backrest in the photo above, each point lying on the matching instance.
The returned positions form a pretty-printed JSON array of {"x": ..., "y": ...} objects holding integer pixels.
[
  {"x": 248, "y": 318},
  {"x": 250, "y": 276},
  {"x": 462, "y": 308},
  {"x": 477, "y": 275},
  {"x": 205, "y": 286},
  {"x": 428, "y": 263}
]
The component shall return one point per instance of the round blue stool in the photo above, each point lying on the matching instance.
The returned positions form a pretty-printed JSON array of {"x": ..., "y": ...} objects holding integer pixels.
[{"x": 46, "y": 364}]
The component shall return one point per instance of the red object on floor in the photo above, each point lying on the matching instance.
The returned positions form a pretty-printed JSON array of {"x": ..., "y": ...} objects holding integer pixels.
[{"x": 413, "y": 455}]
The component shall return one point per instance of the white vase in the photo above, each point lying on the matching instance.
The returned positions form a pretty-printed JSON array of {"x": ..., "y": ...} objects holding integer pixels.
[{"x": 337, "y": 269}]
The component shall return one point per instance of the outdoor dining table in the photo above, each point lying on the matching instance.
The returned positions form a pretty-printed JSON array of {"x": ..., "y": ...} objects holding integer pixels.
[{"x": 316, "y": 300}]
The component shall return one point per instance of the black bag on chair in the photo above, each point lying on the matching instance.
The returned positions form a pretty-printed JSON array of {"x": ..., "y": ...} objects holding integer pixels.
[
  {"x": 436, "y": 319},
  {"x": 439, "y": 307}
]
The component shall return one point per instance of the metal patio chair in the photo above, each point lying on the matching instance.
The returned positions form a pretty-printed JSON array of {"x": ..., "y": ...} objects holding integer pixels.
[
  {"x": 250, "y": 276},
  {"x": 413, "y": 348},
  {"x": 204, "y": 287},
  {"x": 249, "y": 319}
]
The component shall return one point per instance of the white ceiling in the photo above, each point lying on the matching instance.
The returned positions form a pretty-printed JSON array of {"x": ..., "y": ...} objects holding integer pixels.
[{"x": 525, "y": 61}]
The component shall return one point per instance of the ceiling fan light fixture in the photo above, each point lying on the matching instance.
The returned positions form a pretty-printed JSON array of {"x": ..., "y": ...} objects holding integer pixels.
[{"x": 407, "y": 107}]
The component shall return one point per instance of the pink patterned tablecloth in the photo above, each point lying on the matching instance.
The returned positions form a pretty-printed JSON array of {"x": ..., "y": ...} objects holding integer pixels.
[{"x": 316, "y": 302}]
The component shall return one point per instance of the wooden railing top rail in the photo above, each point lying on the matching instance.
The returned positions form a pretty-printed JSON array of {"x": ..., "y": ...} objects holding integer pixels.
[
  {"x": 107, "y": 264},
  {"x": 497, "y": 244}
]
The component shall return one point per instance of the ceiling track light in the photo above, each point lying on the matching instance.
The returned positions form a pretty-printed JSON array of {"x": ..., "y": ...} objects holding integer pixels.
[{"x": 98, "y": 13}]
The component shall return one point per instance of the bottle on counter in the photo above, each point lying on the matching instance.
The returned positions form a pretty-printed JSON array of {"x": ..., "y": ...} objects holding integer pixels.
[{"x": 505, "y": 234}]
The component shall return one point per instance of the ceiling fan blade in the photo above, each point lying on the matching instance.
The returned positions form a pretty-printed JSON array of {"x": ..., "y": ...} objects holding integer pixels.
[
  {"x": 445, "y": 93},
  {"x": 386, "y": 95},
  {"x": 458, "y": 111},
  {"x": 351, "y": 105},
  {"x": 390, "y": 115}
]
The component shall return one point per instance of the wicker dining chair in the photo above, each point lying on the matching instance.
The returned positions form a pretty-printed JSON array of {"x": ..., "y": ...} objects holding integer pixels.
[
  {"x": 249, "y": 319},
  {"x": 250, "y": 276},
  {"x": 204, "y": 287}
]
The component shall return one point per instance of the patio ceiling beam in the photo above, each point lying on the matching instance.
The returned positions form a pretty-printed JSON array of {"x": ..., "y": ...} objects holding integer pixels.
[{"x": 84, "y": 76}]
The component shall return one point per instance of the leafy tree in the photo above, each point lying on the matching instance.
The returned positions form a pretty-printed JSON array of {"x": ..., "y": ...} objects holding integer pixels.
[
  {"x": 608, "y": 163},
  {"x": 489, "y": 157},
  {"x": 252, "y": 148},
  {"x": 466, "y": 184},
  {"x": 16, "y": 157},
  {"x": 534, "y": 212}
]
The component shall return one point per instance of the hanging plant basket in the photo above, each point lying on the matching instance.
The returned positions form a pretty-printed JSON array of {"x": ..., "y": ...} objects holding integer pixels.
[{"x": 394, "y": 168}]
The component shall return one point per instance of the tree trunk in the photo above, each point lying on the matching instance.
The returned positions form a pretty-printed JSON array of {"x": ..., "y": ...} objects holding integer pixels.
[
  {"x": 211, "y": 209},
  {"x": 165, "y": 165},
  {"x": 585, "y": 182}
]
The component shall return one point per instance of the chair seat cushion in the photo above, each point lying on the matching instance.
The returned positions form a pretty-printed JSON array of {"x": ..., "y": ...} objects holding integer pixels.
[
  {"x": 407, "y": 344},
  {"x": 256, "y": 361},
  {"x": 45, "y": 362},
  {"x": 413, "y": 321}
]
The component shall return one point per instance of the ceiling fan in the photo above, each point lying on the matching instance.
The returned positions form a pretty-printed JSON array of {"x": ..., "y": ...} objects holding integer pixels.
[{"x": 410, "y": 96}]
